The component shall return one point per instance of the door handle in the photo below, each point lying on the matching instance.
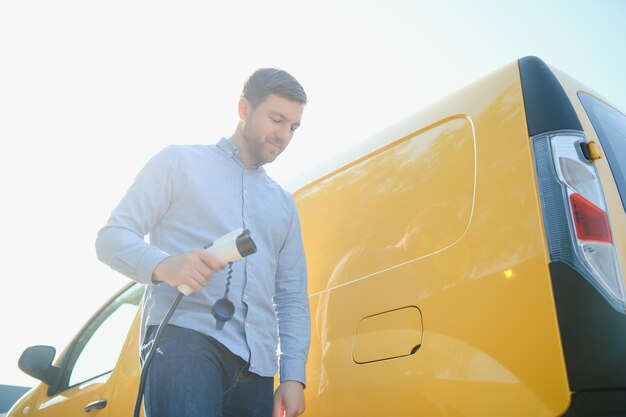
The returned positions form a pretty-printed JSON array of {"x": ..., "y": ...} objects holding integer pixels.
[{"x": 96, "y": 405}]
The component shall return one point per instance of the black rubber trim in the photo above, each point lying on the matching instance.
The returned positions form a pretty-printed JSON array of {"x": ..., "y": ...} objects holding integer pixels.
[
  {"x": 547, "y": 107},
  {"x": 593, "y": 333},
  {"x": 598, "y": 404}
]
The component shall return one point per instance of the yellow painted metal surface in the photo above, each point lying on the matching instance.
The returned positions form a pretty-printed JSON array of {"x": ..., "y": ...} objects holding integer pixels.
[
  {"x": 407, "y": 200},
  {"x": 127, "y": 373},
  {"x": 445, "y": 217}
]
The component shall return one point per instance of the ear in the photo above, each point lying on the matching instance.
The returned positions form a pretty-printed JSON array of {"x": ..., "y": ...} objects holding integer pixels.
[{"x": 243, "y": 108}]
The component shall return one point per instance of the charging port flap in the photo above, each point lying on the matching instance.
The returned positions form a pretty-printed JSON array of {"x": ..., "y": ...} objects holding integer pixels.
[{"x": 388, "y": 335}]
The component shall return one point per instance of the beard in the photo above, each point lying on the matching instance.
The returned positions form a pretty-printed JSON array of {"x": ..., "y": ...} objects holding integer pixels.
[{"x": 257, "y": 147}]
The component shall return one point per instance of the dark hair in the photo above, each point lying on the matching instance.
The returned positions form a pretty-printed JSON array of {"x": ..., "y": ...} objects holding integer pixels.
[{"x": 266, "y": 81}]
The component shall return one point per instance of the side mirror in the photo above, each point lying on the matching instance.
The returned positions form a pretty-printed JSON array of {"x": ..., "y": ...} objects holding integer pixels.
[{"x": 36, "y": 361}]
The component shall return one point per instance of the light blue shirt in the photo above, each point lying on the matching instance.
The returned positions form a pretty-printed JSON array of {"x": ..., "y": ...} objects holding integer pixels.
[{"x": 188, "y": 196}]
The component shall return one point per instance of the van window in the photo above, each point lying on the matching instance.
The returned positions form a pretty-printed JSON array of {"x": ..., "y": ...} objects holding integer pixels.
[
  {"x": 610, "y": 126},
  {"x": 407, "y": 200},
  {"x": 98, "y": 347}
]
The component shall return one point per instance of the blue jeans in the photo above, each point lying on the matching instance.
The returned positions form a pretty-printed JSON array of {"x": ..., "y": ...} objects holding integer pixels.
[{"x": 193, "y": 375}]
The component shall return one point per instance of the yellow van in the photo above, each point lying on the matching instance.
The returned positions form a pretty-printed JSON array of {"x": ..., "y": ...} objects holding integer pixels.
[{"x": 467, "y": 261}]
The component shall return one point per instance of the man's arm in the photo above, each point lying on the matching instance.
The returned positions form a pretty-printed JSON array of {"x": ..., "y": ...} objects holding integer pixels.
[
  {"x": 121, "y": 245},
  {"x": 294, "y": 323}
]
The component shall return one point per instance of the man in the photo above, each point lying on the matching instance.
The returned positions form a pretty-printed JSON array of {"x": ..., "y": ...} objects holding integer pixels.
[{"x": 185, "y": 198}]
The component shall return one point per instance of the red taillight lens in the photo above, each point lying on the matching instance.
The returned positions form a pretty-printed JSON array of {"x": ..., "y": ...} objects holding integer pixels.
[{"x": 592, "y": 223}]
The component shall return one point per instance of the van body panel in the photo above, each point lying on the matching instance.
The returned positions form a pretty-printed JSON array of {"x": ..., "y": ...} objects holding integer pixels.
[
  {"x": 74, "y": 400},
  {"x": 128, "y": 372},
  {"x": 71, "y": 402},
  {"x": 469, "y": 287},
  {"x": 384, "y": 194}
]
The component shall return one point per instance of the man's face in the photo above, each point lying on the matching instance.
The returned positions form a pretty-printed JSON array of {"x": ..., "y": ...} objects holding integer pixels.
[{"x": 269, "y": 127}]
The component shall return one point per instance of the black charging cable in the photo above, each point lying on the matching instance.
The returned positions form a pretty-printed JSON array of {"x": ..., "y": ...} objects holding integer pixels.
[{"x": 152, "y": 351}]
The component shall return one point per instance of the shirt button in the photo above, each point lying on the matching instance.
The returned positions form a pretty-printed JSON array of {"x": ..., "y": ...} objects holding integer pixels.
[{"x": 245, "y": 297}]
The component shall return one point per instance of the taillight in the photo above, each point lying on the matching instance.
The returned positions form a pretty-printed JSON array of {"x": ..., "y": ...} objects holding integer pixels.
[
  {"x": 577, "y": 223},
  {"x": 592, "y": 224}
]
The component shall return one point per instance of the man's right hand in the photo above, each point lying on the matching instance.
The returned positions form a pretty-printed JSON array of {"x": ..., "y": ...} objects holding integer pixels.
[{"x": 193, "y": 269}]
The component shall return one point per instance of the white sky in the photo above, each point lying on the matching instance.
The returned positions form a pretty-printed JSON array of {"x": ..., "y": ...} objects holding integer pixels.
[{"x": 89, "y": 90}]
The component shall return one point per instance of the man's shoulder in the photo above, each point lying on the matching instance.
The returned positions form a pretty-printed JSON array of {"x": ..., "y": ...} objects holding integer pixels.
[
  {"x": 186, "y": 152},
  {"x": 185, "y": 149}
]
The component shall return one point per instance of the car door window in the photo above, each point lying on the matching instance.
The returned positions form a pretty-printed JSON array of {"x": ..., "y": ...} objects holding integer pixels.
[{"x": 98, "y": 347}]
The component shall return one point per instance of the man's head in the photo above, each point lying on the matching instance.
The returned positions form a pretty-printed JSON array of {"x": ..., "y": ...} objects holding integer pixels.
[
  {"x": 266, "y": 81},
  {"x": 270, "y": 110}
]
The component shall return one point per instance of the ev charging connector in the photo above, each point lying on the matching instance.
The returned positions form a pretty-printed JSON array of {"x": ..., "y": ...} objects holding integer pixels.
[{"x": 231, "y": 247}]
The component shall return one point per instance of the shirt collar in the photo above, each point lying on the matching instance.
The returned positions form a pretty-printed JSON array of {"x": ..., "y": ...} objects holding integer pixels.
[{"x": 231, "y": 150}]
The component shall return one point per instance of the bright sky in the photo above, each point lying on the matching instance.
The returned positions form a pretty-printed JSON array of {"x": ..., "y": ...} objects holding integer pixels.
[{"x": 89, "y": 90}]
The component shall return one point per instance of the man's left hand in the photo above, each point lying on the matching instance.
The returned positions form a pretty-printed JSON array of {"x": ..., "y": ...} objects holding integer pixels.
[{"x": 289, "y": 399}]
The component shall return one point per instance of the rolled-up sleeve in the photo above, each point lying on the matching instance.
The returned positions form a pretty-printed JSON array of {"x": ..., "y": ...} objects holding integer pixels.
[
  {"x": 292, "y": 305},
  {"x": 120, "y": 243}
]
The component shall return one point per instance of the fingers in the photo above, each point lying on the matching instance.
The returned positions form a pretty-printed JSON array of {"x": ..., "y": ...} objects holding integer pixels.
[
  {"x": 193, "y": 269},
  {"x": 278, "y": 410},
  {"x": 198, "y": 267},
  {"x": 282, "y": 410},
  {"x": 289, "y": 400},
  {"x": 209, "y": 260}
]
